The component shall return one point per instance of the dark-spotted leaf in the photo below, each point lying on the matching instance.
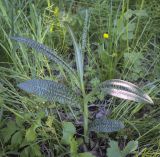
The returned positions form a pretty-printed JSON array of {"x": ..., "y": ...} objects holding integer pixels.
[
  {"x": 51, "y": 54},
  {"x": 125, "y": 90},
  {"x": 51, "y": 91},
  {"x": 105, "y": 125}
]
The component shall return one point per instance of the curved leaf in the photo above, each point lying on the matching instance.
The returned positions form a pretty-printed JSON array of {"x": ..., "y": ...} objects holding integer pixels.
[
  {"x": 105, "y": 125},
  {"x": 124, "y": 90},
  {"x": 78, "y": 54},
  {"x": 50, "y": 90},
  {"x": 46, "y": 51}
]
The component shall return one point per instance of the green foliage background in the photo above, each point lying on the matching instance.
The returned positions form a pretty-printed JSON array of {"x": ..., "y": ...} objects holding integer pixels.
[{"x": 29, "y": 126}]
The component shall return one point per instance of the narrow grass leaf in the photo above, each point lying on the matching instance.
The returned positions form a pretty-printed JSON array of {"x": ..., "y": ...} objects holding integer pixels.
[
  {"x": 125, "y": 90},
  {"x": 105, "y": 125},
  {"x": 51, "y": 91}
]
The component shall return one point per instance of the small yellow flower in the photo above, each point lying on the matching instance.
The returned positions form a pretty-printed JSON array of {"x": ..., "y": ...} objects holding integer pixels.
[{"x": 105, "y": 35}]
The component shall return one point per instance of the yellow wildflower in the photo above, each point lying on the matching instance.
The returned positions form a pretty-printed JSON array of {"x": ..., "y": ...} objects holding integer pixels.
[{"x": 105, "y": 35}]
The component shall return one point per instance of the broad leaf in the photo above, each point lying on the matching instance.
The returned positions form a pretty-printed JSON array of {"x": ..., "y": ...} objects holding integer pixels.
[
  {"x": 128, "y": 36},
  {"x": 46, "y": 51},
  {"x": 68, "y": 131},
  {"x": 140, "y": 13},
  {"x": 128, "y": 14},
  {"x": 114, "y": 150},
  {"x": 105, "y": 125},
  {"x": 8, "y": 131},
  {"x": 35, "y": 150},
  {"x": 73, "y": 147},
  {"x": 17, "y": 138},
  {"x": 30, "y": 134},
  {"x": 131, "y": 146},
  {"x": 50, "y": 90},
  {"x": 124, "y": 90}
]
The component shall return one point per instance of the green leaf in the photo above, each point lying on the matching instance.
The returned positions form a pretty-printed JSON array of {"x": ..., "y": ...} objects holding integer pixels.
[
  {"x": 131, "y": 146},
  {"x": 31, "y": 151},
  {"x": 85, "y": 30},
  {"x": 17, "y": 138},
  {"x": 46, "y": 51},
  {"x": 125, "y": 90},
  {"x": 86, "y": 154},
  {"x": 73, "y": 147},
  {"x": 30, "y": 134},
  {"x": 128, "y": 14},
  {"x": 140, "y": 13},
  {"x": 131, "y": 27},
  {"x": 78, "y": 54},
  {"x": 128, "y": 36},
  {"x": 68, "y": 131},
  {"x": 114, "y": 150},
  {"x": 8, "y": 131},
  {"x": 49, "y": 121},
  {"x": 51, "y": 91},
  {"x": 35, "y": 151},
  {"x": 25, "y": 152},
  {"x": 105, "y": 125}
]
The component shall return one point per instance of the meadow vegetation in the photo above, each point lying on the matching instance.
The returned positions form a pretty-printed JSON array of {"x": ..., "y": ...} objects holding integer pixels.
[{"x": 79, "y": 78}]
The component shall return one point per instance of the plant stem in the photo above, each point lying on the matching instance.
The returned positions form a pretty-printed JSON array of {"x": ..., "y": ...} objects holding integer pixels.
[
  {"x": 85, "y": 116},
  {"x": 85, "y": 111}
]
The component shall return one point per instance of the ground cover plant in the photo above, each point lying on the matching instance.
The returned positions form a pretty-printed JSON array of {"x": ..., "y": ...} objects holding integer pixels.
[{"x": 64, "y": 63}]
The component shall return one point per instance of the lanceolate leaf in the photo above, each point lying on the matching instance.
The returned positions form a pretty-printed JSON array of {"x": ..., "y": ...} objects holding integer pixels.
[
  {"x": 105, "y": 125},
  {"x": 78, "y": 54},
  {"x": 46, "y": 51},
  {"x": 124, "y": 90},
  {"x": 51, "y": 91},
  {"x": 85, "y": 30}
]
